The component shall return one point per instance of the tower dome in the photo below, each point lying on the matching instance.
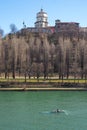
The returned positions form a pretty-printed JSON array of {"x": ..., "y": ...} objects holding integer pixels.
[{"x": 41, "y": 19}]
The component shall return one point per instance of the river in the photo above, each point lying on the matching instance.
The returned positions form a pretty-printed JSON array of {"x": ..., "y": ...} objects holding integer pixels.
[{"x": 30, "y": 110}]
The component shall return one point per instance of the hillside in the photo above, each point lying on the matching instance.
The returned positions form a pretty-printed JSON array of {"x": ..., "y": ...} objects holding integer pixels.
[{"x": 63, "y": 54}]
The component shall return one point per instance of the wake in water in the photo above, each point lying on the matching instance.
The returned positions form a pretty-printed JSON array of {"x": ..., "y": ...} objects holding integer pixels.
[
  {"x": 55, "y": 112},
  {"x": 66, "y": 112},
  {"x": 45, "y": 112}
]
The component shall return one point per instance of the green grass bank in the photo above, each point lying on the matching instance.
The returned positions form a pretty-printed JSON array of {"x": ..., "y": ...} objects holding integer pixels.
[{"x": 41, "y": 84}]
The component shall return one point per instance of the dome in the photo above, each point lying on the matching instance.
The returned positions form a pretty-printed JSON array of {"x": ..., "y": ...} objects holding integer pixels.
[
  {"x": 41, "y": 19},
  {"x": 42, "y": 14}
]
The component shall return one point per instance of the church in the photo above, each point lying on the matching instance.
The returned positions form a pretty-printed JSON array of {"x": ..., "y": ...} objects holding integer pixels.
[{"x": 42, "y": 26}]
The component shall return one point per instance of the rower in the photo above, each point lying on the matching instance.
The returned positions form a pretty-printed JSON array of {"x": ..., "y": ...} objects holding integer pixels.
[{"x": 57, "y": 110}]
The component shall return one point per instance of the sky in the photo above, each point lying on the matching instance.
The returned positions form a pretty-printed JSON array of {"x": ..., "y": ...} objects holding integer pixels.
[{"x": 17, "y": 11}]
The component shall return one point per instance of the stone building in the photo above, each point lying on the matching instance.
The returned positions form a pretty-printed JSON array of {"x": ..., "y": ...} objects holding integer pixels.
[{"x": 66, "y": 26}]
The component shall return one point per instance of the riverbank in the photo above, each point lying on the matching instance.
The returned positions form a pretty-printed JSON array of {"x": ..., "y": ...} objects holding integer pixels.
[
  {"x": 43, "y": 89},
  {"x": 41, "y": 85}
]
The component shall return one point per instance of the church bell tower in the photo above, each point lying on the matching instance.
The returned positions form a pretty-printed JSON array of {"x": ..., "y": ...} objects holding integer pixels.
[{"x": 41, "y": 19}]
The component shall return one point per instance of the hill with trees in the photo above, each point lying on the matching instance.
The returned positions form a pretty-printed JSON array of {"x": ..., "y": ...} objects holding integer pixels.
[{"x": 61, "y": 54}]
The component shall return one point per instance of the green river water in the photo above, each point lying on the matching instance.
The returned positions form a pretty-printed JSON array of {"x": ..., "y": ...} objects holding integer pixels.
[{"x": 29, "y": 110}]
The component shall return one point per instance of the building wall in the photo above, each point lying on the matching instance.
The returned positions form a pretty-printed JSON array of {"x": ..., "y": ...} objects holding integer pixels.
[{"x": 66, "y": 26}]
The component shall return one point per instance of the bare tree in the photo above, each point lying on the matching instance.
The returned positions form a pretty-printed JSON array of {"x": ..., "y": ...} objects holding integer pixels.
[
  {"x": 45, "y": 56},
  {"x": 52, "y": 57},
  {"x": 6, "y": 58},
  {"x": 1, "y": 57},
  {"x": 82, "y": 61}
]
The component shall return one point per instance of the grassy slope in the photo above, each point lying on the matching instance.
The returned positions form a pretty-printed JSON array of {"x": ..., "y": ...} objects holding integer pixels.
[{"x": 41, "y": 80}]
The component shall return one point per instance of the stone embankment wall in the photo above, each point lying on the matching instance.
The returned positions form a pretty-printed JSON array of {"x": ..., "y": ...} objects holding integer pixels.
[{"x": 42, "y": 85}]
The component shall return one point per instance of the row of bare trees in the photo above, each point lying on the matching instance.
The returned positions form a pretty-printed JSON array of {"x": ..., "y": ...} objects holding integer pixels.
[{"x": 33, "y": 54}]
